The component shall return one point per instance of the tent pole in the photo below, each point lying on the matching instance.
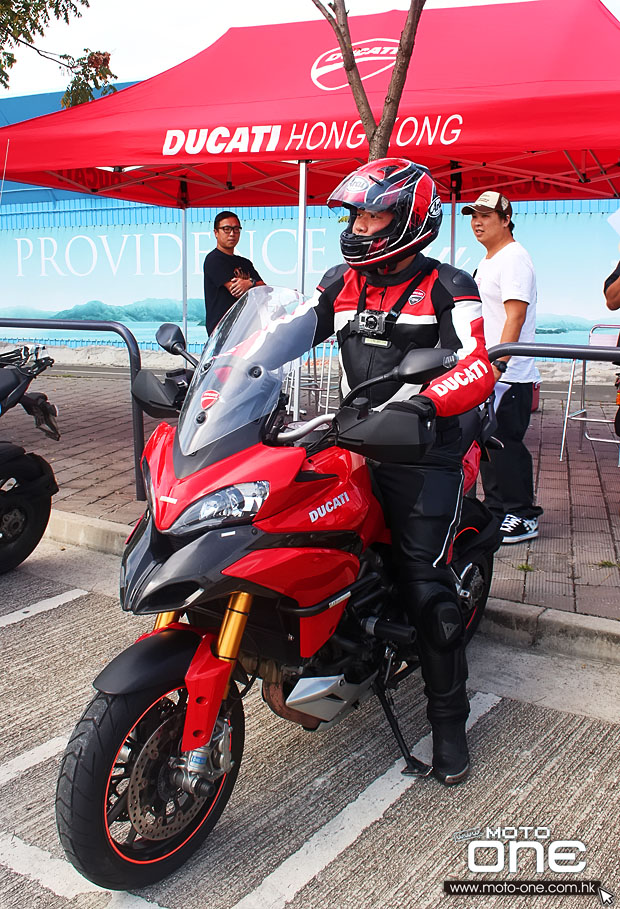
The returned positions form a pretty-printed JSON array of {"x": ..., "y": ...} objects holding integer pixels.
[
  {"x": 301, "y": 265},
  {"x": 452, "y": 227},
  {"x": 184, "y": 266}
]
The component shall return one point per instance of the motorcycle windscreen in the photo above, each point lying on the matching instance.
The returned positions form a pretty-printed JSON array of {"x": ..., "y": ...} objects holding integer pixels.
[{"x": 245, "y": 364}]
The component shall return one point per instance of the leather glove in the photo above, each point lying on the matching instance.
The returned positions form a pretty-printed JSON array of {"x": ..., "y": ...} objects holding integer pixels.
[{"x": 419, "y": 404}]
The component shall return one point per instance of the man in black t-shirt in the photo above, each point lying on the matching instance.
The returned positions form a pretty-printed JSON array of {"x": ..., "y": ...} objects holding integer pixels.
[
  {"x": 226, "y": 276},
  {"x": 612, "y": 289}
]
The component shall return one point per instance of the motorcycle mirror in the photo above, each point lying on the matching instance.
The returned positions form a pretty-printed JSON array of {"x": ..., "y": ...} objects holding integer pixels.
[
  {"x": 419, "y": 366},
  {"x": 171, "y": 338}
]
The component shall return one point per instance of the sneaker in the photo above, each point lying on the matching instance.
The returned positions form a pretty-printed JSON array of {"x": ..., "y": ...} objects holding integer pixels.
[{"x": 515, "y": 529}]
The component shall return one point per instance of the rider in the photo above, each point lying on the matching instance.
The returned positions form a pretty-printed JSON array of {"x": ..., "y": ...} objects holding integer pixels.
[{"x": 395, "y": 212}]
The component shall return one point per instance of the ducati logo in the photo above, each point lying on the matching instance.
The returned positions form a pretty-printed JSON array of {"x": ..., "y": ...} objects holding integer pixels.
[
  {"x": 416, "y": 297},
  {"x": 373, "y": 56},
  {"x": 208, "y": 399},
  {"x": 327, "y": 507}
]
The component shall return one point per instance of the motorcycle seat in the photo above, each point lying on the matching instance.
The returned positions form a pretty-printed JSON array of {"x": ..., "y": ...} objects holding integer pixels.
[{"x": 9, "y": 380}]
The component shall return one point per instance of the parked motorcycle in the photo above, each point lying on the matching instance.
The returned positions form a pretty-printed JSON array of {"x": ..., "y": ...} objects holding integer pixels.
[
  {"x": 27, "y": 481},
  {"x": 263, "y": 553}
]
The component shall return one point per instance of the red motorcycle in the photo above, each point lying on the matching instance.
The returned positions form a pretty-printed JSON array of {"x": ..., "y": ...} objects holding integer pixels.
[{"x": 263, "y": 553}]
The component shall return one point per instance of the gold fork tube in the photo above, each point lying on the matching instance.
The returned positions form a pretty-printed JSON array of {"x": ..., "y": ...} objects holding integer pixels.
[
  {"x": 166, "y": 618},
  {"x": 233, "y": 625}
]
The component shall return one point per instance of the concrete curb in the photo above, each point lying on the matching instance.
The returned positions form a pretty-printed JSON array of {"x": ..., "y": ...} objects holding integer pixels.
[
  {"x": 516, "y": 624},
  {"x": 552, "y": 630},
  {"x": 92, "y": 533}
]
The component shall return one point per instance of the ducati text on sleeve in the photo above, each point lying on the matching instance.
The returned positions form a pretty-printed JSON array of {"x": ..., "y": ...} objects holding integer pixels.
[
  {"x": 331, "y": 505},
  {"x": 473, "y": 372}
]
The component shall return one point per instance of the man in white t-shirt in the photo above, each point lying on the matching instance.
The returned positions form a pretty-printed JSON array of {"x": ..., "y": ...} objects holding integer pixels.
[{"x": 507, "y": 285}]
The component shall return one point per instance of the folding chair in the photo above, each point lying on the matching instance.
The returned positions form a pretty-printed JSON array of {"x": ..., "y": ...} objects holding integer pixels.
[{"x": 581, "y": 416}]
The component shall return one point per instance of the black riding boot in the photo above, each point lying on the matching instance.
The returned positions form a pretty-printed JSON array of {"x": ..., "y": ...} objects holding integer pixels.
[
  {"x": 450, "y": 752},
  {"x": 448, "y": 712},
  {"x": 441, "y": 645}
]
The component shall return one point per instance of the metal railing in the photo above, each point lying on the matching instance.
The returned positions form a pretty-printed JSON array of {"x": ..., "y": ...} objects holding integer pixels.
[
  {"x": 557, "y": 351},
  {"x": 135, "y": 364}
]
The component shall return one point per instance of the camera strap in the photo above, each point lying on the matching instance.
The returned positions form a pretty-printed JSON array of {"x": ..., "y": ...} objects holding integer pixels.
[{"x": 352, "y": 327}]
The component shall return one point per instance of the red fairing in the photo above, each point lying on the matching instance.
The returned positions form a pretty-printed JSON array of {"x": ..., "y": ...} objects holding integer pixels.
[
  {"x": 278, "y": 466},
  {"x": 471, "y": 466},
  {"x": 307, "y": 576},
  {"x": 343, "y": 500}
]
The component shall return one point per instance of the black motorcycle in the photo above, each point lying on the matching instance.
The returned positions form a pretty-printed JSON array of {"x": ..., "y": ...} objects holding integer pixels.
[{"x": 27, "y": 481}]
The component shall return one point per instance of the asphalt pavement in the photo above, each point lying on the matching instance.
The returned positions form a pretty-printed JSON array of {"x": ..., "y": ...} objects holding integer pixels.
[{"x": 317, "y": 820}]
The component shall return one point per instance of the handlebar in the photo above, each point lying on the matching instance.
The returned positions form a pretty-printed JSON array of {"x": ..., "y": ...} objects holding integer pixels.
[
  {"x": 291, "y": 435},
  {"x": 26, "y": 360}
]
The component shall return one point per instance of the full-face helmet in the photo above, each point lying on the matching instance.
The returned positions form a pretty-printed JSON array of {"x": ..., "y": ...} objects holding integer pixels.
[{"x": 388, "y": 184}]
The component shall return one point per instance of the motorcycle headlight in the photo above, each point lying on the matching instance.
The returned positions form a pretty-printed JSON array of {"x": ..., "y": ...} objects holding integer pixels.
[
  {"x": 232, "y": 505},
  {"x": 148, "y": 485}
]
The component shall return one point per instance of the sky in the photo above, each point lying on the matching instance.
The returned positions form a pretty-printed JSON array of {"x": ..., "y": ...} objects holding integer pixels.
[{"x": 146, "y": 37}]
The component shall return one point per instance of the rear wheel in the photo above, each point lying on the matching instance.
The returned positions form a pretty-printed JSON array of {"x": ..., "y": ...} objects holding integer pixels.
[
  {"x": 476, "y": 577},
  {"x": 23, "y": 520},
  {"x": 124, "y": 818}
]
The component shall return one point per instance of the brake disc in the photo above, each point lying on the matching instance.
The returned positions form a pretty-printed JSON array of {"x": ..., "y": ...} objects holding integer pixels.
[{"x": 153, "y": 802}]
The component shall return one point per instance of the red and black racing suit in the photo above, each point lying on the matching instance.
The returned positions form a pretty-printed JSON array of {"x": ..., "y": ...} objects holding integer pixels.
[{"x": 442, "y": 308}]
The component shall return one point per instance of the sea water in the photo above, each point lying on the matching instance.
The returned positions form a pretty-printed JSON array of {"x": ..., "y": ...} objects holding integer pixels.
[{"x": 144, "y": 333}]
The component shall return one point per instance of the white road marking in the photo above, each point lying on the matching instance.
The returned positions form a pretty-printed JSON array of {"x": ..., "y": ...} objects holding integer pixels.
[
  {"x": 58, "y": 875},
  {"x": 282, "y": 885},
  {"x": 123, "y": 900},
  {"x": 42, "y": 606},
  {"x": 14, "y": 768}
]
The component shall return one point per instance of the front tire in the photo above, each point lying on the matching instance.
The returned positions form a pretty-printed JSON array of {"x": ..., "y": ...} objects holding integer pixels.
[
  {"x": 23, "y": 520},
  {"x": 122, "y": 820}
]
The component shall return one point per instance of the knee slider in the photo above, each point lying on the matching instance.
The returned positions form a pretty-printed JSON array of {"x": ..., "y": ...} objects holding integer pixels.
[{"x": 444, "y": 625}]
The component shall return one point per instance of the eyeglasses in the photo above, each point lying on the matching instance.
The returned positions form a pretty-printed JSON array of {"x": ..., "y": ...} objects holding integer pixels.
[{"x": 229, "y": 230}]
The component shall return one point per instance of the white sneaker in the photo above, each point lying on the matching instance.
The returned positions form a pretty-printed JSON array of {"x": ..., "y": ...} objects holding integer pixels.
[{"x": 515, "y": 529}]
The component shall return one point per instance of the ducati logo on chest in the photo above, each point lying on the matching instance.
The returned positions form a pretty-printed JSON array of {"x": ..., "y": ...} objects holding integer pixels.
[{"x": 416, "y": 297}]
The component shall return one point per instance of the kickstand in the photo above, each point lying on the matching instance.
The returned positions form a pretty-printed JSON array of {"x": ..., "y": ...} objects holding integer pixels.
[{"x": 413, "y": 765}]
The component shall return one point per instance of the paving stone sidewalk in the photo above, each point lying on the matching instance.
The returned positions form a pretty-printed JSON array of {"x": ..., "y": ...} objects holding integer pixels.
[{"x": 573, "y": 566}]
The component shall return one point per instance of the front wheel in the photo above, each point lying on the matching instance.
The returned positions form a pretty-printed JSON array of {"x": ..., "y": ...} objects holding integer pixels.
[{"x": 124, "y": 819}]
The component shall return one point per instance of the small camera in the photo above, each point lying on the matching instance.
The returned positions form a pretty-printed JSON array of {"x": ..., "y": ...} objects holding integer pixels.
[{"x": 371, "y": 322}]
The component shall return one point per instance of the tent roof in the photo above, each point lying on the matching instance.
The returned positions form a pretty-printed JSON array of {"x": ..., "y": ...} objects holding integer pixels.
[
  {"x": 522, "y": 96},
  {"x": 14, "y": 109}
]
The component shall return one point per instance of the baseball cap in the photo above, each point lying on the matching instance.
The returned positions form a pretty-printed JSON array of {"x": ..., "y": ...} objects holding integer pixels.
[{"x": 489, "y": 201}]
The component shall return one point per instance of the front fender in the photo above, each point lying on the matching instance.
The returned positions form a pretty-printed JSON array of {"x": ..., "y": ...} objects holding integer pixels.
[
  {"x": 174, "y": 656},
  {"x": 161, "y": 657}
]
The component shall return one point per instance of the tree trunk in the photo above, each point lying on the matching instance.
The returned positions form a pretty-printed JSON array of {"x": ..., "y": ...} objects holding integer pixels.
[{"x": 378, "y": 134}]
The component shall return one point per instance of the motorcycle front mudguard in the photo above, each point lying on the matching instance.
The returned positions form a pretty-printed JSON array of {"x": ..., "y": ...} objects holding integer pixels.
[
  {"x": 176, "y": 655},
  {"x": 165, "y": 655}
]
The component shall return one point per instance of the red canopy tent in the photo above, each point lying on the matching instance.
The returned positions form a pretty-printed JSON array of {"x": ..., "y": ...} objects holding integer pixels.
[{"x": 521, "y": 96}]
